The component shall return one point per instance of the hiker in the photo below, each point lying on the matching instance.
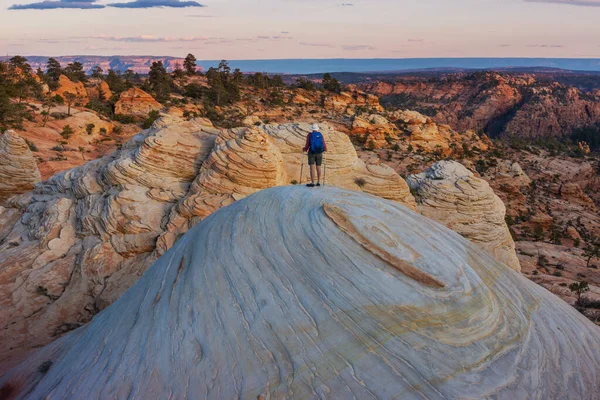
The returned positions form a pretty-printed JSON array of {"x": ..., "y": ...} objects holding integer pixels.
[{"x": 316, "y": 146}]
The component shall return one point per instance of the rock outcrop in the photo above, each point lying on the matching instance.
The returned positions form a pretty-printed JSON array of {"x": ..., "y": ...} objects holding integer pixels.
[
  {"x": 376, "y": 128},
  {"x": 136, "y": 102},
  {"x": 496, "y": 103},
  {"x": 79, "y": 240},
  {"x": 65, "y": 85},
  {"x": 426, "y": 135},
  {"x": 18, "y": 170},
  {"x": 348, "y": 102},
  {"x": 322, "y": 294},
  {"x": 449, "y": 193}
]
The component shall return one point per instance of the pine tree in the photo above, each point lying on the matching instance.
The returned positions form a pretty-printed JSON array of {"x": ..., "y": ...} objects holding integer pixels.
[
  {"x": 189, "y": 64},
  {"x": 97, "y": 72},
  {"x": 159, "y": 81}
]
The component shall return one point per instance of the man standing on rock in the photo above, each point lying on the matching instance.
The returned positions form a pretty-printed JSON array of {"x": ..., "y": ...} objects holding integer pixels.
[{"x": 316, "y": 146}]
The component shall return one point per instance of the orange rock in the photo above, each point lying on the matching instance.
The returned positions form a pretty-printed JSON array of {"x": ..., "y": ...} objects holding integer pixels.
[
  {"x": 68, "y": 86},
  {"x": 136, "y": 102}
]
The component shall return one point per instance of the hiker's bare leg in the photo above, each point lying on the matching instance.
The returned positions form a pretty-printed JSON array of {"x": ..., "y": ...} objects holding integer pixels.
[
  {"x": 312, "y": 173},
  {"x": 318, "y": 174}
]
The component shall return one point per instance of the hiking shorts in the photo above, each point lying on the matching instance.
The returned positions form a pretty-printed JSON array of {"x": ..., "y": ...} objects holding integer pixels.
[{"x": 315, "y": 158}]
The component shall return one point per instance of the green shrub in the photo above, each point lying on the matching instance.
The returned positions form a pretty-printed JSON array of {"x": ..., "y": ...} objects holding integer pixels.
[
  {"x": 31, "y": 145},
  {"x": 152, "y": 116},
  {"x": 67, "y": 132},
  {"x": 124, "y": 119},
  {"x": 89, "y": 128}
]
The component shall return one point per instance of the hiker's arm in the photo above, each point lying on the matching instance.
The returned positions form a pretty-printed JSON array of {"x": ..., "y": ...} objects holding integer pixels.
[{"x": 307, "y": 145}]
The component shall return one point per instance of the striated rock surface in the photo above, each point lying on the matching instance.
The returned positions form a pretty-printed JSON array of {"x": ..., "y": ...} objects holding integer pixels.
[
  {"x": 136, "y": 102},
  {"x": 79, "y": 240},
  {"x": 323, "y": 294},
  {"x": 449, "y": 193},
  {"x": 377, "y": 129},
  {"x": 425, "y": 134},
  {"x": 348, "y": 102},
  {"x": 18, "y": 170},
  {"x": 65, "y": 85},
  {"x": 500, "y": 104}
]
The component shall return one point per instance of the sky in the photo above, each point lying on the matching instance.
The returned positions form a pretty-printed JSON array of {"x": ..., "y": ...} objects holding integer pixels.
[{"x": 280, "y": 29}]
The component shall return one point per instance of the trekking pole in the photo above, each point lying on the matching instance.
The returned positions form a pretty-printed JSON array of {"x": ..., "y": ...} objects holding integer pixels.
[
  {"x": 301, "y": 168},
  {"x": 324, "y": 167}
]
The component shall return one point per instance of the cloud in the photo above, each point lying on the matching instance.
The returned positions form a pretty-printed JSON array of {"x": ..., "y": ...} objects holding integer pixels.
[
  {"x": 357, "y": 47},
  {"x": 199, "y": 16},
  {"x": 146, "y": 39},
  {"x": 91, "y": 4},
  {"x": 53, "y": 5},
  {"x": 156, "y": 3},
  {"x": 554, "y": 46},
  {"x": 585, "y": 3},
  {"x": 315, "y": 44}
]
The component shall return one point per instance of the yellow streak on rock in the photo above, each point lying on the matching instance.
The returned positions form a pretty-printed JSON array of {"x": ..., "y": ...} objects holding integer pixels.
[{"x": 339, "y": 217}]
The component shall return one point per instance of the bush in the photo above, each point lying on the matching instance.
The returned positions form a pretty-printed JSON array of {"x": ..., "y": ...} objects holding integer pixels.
[
  {"x": 89, "y": 128},
  {"x": 124, "y": 119},
  {"x": 31, "y": 145},
  {"x": 67, "y": 132},
  {"x": 152, "y": 116},
  {"x": 58, "y": 115},
  {"x": 103, "y": 131},
  {"x": 557, "y": 274},
  {"x": 360, "y": 182},
  {"x": 58, "y": 148},
  {"x": 45, "y": 367}
]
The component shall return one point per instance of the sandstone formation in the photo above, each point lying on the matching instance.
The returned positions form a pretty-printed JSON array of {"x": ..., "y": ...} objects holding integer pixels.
[
  {"x": 499, "y": 104},
  {"x": 65, "y": 85},
  {"x": 101, "y": 91},
  {"x": 426, "y": 135},
  {"x": 136, "y": 102},
  {"x": 449, "y": 193},
  {"x": 377, "y": 129},
  {"x": 79, "y": 240},
  {"x": 348, "y": 102},
  {"x": 386, "y": 305},
  {"x": 18, "y": 170}
]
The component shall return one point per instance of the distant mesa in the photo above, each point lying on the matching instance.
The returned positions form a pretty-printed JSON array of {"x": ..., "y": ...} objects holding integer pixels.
[{"x": 328, "y": 293}]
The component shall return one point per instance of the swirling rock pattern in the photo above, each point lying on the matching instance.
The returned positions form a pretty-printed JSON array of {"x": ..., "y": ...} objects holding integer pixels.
[
  {"x": 328, "y": 297},
  {"x": 79, "y": 240},
  {"x": 18, "y": 170},
  {"x": 449, "y": 193}
]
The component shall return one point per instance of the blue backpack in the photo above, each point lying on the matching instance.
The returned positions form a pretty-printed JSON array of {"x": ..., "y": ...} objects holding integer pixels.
[{"x": 317, "y": 144}]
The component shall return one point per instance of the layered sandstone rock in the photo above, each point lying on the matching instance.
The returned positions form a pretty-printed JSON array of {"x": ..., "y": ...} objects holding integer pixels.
[
  {"x": 323, "y": 294},
  {"x": 376, "y": 128},
  {"x": 136, "y": 102},
  {"x": 499, "y": 104},
  {"x": 428, "y": 136},
  {"x": 65, "y": 85},
  {"x": 84, "y": 236},
  {"x": 348, "y": 102},
  {"x": 18, "y": 170},
  {"x": 449, "y": 193}
]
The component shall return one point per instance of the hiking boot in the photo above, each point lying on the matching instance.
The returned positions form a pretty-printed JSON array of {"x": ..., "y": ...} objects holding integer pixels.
[
  {"x": 318, "y": 184},
  {"x": 310, "y": 184}
]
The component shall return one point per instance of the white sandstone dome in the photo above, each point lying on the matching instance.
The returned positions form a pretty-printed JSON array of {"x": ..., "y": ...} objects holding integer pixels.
[{"x": 322, "y": 293}]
